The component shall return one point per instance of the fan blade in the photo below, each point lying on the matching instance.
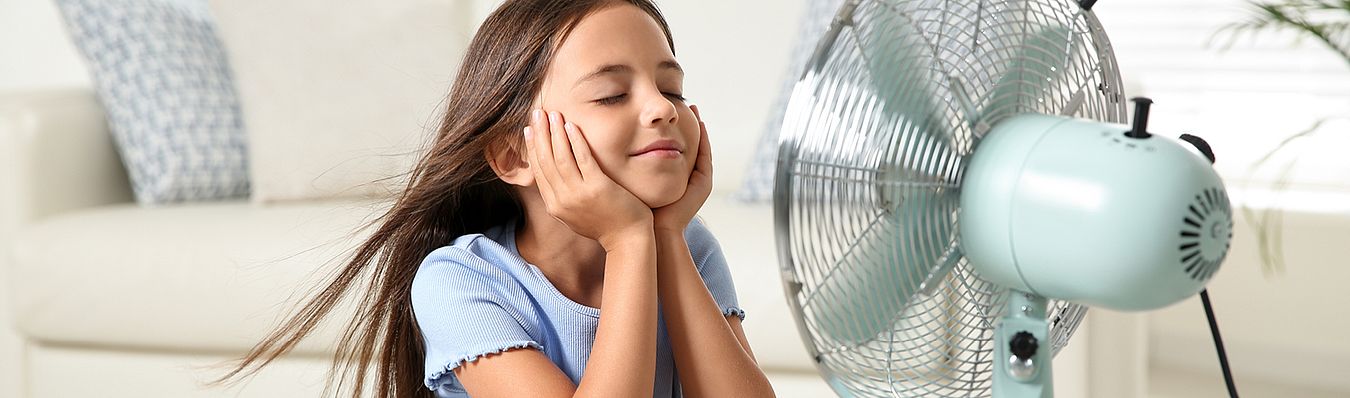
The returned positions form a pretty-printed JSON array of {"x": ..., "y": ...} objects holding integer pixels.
[{"x": 1039, "y": 64}]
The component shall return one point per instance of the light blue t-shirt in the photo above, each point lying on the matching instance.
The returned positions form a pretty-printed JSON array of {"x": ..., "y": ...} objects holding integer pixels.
[{"x": 478, "y": 296}]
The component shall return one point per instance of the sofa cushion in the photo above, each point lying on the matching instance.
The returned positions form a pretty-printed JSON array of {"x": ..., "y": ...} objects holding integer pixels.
[
  {"x": 208, "y": 277},
  {"x": 339, "y": 96},
  {"x": 216, "y": 276},
  {"x": 163, "y": 78}
]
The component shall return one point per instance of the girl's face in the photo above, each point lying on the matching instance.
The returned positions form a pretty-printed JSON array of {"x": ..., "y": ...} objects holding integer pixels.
[{"x": 617, "y": 80}]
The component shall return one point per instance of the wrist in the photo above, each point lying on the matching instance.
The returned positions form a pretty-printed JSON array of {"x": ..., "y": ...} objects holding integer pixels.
[
  {"x": 670, "y": 239},
  {"x": 636, "y": 234},
  {"x": 669, "y": 225},
  {"x": 660, "y": 229}
]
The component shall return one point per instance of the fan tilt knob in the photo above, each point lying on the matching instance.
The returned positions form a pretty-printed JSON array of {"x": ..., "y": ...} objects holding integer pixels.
[
  {"x": 1140, "y": 127},
  {"x": 1023, "y": 345},
  {"x": 1022, "y": 365}
]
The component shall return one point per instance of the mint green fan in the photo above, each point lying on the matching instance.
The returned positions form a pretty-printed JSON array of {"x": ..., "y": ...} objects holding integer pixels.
[{"x": 954, "y": 186}]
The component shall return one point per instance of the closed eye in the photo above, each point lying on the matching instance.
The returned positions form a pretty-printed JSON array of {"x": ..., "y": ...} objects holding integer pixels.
[
  {"x": 619, "y": 98},
  {"x": 611, "y": 100}
]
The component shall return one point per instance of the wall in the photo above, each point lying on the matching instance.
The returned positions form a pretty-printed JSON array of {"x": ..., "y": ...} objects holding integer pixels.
[{"x": 35, "y": 51}]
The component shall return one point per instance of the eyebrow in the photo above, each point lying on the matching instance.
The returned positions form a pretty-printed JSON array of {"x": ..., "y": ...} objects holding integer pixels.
[{"x": 621, "y": 68}]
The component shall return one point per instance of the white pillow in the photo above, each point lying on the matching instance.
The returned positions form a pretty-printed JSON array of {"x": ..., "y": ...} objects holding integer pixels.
[{"x": 337, "y": 95}]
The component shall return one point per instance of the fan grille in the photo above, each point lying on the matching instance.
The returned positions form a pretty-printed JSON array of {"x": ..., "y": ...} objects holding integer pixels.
[{"x": 874, "y": 144}]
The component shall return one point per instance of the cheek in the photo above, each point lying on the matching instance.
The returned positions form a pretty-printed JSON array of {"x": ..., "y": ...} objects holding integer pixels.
[{"x": 606, "y": 145}]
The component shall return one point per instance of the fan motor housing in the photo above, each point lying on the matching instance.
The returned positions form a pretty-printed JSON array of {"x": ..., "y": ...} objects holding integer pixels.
[{"x": 1074, "y": 209}]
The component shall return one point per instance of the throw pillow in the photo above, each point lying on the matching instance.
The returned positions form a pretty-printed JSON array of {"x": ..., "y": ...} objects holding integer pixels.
[{"x": 166, "y": 86}]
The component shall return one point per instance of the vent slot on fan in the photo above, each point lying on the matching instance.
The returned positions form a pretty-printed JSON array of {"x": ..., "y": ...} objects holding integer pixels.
[{"x": 1206, "y": 233}]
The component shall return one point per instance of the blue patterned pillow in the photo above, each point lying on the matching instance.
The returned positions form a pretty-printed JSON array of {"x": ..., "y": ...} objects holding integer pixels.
[
  {"x": 758, "y": 184},
  {"x": 164, "y": 81}
]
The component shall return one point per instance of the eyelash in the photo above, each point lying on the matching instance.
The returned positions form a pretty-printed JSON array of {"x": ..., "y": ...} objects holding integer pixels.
[{"x": 615, "y": 99}]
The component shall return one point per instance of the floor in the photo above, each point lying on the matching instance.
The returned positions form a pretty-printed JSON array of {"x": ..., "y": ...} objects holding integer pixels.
[{"x": 1173, "y": 383}]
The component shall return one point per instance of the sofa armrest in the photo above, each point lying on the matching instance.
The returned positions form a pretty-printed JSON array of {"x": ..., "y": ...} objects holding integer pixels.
[{"x": 57, "y": 156}]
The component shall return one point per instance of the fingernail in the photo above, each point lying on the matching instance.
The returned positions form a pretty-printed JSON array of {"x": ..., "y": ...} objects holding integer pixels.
[
  {"x": 571, "y": 128},
  {"x": 553, "y": 117},
  {"x": 538, "y": 115},
  {"x": 527, "y": 132}
]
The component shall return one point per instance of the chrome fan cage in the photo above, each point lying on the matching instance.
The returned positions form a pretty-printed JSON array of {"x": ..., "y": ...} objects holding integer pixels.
[{"x": 874, "y": 143}]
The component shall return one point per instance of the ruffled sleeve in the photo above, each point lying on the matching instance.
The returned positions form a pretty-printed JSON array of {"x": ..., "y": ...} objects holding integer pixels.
[
  {"x": 463, "y": 315},
  {"x": 712, "y": 266}
]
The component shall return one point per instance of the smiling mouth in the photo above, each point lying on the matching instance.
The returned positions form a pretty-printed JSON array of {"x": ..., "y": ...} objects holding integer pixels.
[
  {"x": 660, "y": 154},
  {"x": 662, "y": 148}
]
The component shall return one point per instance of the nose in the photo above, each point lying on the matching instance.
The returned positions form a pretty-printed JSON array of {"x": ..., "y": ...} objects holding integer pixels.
[{"x": 658, "y": 110}]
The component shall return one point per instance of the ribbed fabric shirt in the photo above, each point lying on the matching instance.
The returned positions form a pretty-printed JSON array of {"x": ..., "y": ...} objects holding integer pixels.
[{"x": 477, "y": 296}]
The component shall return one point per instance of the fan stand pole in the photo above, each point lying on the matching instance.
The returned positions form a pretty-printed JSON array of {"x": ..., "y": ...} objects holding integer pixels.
[{"x": 1022, "y": 349}]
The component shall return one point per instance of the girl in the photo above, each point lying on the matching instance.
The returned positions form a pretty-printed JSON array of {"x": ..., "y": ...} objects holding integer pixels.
[{"x": 563, "y": 181}]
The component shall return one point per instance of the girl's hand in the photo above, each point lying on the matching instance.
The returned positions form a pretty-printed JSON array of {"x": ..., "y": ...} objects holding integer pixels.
[
  {"x": 675, "y": 217},
  {"x": 575, "y": 190}
]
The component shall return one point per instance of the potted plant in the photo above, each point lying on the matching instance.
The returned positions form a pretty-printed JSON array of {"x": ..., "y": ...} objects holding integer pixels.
[{"x": 1328, "y": 23}]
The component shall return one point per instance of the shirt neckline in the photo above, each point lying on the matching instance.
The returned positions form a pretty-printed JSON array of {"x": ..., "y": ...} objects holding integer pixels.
[{"x": 509, "y": 237}]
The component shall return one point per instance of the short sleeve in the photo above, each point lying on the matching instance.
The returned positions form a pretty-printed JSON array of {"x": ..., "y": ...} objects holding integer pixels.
[
  {"x": 462, "y": 315},
  {"x": 712, "y": 266}
]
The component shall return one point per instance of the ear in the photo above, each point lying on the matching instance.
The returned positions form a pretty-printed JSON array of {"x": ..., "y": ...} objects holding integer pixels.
[{"x": 510, "y": 165}]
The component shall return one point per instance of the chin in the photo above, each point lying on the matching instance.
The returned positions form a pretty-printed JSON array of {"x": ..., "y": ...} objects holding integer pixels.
[{"x": 657, "y": 198}]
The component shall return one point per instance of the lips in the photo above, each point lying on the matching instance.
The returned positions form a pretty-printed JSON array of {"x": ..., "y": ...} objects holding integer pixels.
[{"x": 659, "y": 145}]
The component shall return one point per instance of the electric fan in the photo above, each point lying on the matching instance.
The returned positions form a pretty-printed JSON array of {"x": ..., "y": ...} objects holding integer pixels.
[{"x": 953, "y": 186}]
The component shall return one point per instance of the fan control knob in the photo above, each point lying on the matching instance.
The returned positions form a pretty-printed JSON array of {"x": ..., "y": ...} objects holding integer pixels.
[
  {"x": 1023, "y": 345},
  {"x": 1140, "y": 128}
]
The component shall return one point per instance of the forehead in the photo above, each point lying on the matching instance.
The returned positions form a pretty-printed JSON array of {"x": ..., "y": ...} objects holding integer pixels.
[{"x": 621, "y": 34}]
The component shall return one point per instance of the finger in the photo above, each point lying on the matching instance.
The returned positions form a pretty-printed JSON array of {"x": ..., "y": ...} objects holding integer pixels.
[
  {"x": 704, "y": 160},
  {"x": 531, "y": 156},
  {"x": 538, "y": 168},
  {"x": 581, "y": 150},
  {"x": 562, "y": 148},
  {"x": 543, "y": 147},
  {"x": 545, "y": 189}
]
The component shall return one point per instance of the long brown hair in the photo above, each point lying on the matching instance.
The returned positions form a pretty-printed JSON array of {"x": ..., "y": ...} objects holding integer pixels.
[{"x": 451, "y": 191}]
